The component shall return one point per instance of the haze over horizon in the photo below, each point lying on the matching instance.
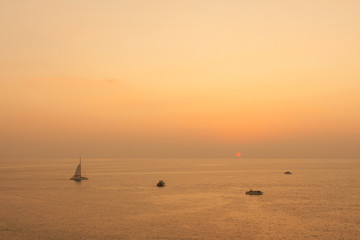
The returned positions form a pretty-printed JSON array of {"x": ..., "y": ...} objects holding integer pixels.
[{"x": 180, "y": 79}]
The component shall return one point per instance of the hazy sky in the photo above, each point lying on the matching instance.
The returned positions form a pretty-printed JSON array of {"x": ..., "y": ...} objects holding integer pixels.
[{"x": 180, "y": 78}]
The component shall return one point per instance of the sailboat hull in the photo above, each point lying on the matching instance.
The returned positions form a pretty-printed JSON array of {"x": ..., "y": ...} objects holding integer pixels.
[{"x": 75, "y": 178}]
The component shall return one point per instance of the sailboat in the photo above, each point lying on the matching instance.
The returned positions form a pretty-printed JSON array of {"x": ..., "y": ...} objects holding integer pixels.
[{"x": 77, "y": 176}]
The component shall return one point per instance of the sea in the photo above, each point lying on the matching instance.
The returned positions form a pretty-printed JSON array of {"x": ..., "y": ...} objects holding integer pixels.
[{"x": 202, "y": 199}]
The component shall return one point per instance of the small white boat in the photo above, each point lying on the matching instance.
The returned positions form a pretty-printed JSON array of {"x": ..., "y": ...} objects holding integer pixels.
[
  {"x": 251, "y": 192},
  {"x": 77, "y": 176}
]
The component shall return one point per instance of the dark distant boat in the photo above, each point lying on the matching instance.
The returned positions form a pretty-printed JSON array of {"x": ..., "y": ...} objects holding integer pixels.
[
  {"x": 161, "y": 183},
  {"x": 288, "y": 172},
  {"x": 77, "y": 176},
  {"x": 251, "y": 192}
]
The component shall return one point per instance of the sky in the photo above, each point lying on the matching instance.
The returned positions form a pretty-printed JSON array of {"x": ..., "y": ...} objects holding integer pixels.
[{"x": 193, "y": 79}]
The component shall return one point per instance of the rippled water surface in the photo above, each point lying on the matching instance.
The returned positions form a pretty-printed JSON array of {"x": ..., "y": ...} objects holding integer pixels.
[{"x": 203, "y": 199}]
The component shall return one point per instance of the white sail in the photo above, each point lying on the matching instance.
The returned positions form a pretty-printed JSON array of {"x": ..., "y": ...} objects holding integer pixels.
[{"x": 78, "y": 170}]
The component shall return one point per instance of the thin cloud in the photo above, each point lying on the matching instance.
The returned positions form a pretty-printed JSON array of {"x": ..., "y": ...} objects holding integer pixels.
[{"x": 113, "y": 80}]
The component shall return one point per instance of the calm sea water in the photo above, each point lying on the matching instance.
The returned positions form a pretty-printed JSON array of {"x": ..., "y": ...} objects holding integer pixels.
[{"x": 203, "y": 199}]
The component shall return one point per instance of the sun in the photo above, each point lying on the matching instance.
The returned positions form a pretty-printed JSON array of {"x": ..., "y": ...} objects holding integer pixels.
[{"x": 238, "y": 154}]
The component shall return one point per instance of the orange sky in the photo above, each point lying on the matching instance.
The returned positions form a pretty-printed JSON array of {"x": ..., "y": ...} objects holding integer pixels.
[{"x": 180, "y": 78}]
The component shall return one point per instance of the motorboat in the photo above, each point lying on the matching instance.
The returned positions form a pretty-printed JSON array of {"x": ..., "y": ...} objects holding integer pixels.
[
  {"x": 161, "y": 183},
  {"x": 252, "y": 192}
]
